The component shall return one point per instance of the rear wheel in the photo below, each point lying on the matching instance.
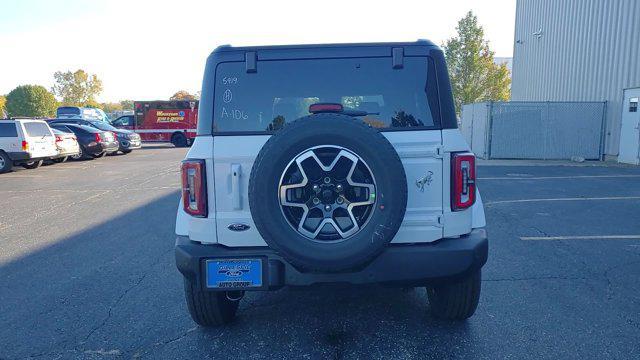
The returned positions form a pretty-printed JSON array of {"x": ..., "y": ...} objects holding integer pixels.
[
  {"x": 79, "y": 156},
  {"x": 209, "y": 308},
  {"x": 5, "y": 163},
  {"x": 60, "y": 160},
  {"x": 126, "y": 151},
  {"x": 179, "y": 140},
  {"x": 100, "y": 155},
  {"x": 32, "y": 164},
  {"x": 455, "y": 301}
]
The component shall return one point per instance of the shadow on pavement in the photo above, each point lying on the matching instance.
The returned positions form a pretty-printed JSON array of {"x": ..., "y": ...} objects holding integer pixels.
[{"x": 114, "y": 290}]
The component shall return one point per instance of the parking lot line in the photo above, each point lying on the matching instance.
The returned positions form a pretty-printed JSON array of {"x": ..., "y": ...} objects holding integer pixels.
[
  {"x": 562, "y": 199},
  {"x": 559, "y": 177},
  {"x": 582, "y": 237}
]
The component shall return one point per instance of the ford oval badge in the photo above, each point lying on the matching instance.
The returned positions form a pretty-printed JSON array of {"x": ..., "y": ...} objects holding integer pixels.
[{"x": 238, "y": 227}]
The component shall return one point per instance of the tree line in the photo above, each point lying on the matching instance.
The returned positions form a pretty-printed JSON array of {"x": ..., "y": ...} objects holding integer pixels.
[
  {"x": 474, "y": 77},
  {"x": 71, "y": 88}
]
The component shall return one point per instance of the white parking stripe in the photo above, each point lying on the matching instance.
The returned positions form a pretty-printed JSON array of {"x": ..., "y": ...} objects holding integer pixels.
[
  {"x": 582, "y": 237},
  {"x": 559, "y": 177},
  {"x": 563, "y": 199}
]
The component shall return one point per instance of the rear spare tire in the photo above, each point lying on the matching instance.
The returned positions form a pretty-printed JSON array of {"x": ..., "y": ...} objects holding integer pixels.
[{"x": 328, "y": 192}]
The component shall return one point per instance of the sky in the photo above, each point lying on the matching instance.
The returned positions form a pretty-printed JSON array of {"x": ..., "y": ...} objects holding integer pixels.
[{"x": 147, "y": 50}]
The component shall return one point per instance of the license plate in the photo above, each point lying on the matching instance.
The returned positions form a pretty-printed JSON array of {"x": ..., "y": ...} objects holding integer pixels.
[{"x": 234, "y": 273}]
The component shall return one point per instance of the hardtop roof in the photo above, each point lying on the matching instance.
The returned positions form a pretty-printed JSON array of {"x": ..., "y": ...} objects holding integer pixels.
[
  {"x": 420, "y": 42},
  {"x": 268, "y": 52}
]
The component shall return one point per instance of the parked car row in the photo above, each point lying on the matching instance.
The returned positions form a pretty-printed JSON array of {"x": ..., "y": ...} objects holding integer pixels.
[{"x": 29, "y": 142}]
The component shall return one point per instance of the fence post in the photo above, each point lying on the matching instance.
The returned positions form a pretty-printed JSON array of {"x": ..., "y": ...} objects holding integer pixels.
[{"x": 489, "y": 122}]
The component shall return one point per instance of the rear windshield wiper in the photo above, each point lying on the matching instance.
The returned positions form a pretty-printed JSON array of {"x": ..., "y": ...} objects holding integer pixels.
[{"x": 359, "y": 113}]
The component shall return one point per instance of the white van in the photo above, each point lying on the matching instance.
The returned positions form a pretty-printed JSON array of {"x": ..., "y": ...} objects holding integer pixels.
[{"x": 25, "y": 142}]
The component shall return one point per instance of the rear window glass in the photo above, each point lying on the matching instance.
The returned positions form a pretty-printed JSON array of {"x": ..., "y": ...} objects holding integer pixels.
[
  {"x": 62, "y": 128},
  {"x": 8, "y": 130},
  {"x": 282, "y": 91},
  {"x": 103, "y": 126},
  {"x": 37, "y": 129},
  {"x": 68, "y": 111}
]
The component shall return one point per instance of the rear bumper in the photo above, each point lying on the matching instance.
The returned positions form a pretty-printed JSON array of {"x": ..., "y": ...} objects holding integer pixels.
[
  {"x": 101, "y": 147},
  {"x": 66, "y": 152},
  {"x": 401, "y": 265},
  {"x": 130, "y": 145},
  {"x": 23, "y": 156}
]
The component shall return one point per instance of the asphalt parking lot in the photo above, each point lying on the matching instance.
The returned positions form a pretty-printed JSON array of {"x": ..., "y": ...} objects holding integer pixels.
[{"x": 87, "y": 271}]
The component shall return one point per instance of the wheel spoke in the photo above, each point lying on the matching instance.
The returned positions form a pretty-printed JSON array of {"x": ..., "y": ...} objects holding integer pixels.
[
  {"x": 285, "y": 188},
  {"x": 328, "y": 193}
]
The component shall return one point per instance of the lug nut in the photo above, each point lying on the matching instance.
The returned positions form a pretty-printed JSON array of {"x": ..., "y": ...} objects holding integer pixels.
[
  {"x": 339, "y": 187},
  {"x": 327, "y": 180},
  {"x": 327, "y": 207},
  {"x": 339, "y": 200},
  {"x": 316, "y": 188},
  {"x": 316, "y": 201}
]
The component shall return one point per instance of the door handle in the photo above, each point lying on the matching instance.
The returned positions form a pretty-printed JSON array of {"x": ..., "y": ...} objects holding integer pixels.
[{"x": 235, "y": 187}]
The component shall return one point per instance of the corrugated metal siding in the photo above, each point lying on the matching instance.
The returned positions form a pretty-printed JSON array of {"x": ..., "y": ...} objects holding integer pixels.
[{"x": 589, "y": 51}]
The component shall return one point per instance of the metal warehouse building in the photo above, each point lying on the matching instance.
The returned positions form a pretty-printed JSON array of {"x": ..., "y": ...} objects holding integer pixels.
[{"x": 578, "y": 50}]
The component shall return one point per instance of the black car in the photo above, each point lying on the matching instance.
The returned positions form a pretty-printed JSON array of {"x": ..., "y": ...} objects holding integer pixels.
[
  {"x": 94, "y": 143},
  {"x": 127, "y": 139}
]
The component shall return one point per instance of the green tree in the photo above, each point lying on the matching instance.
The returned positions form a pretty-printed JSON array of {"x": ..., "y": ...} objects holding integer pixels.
[
  {"x": 474, "y": 76},
  {"x": 3, "y": 102},
  {"x": 77, "y": 88},
  {"x": 111, "y": 107},
  {"x": 31, "y": 100},
  {"x": 126, "y": 104},
  {"x": 183, "y": 95}
]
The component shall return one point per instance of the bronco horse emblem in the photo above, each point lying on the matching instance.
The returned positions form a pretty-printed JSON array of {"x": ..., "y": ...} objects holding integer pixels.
[{"x": 427, "y": 179}]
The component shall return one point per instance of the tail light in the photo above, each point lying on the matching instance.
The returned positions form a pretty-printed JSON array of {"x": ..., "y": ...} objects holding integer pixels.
[
  {"x": 463, "y": 180},
  {"x": 325, "y": 107},
  {"x": 98, "y": 137},
  {"x": 59, "y": 139},
  {"x": 194, "y": 188},
  {"x": 25, "y": 145}
]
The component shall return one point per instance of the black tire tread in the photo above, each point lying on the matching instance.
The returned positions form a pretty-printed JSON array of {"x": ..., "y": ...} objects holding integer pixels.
[
  {"x": 8, "y": 163},
  {"x": 389, "y": 151},
  {"x": 179, "y": 140},
  {"x": 36, "y": 164},
  {"x": 208, "y": 308},
  {"x": 456, "y": 301}
]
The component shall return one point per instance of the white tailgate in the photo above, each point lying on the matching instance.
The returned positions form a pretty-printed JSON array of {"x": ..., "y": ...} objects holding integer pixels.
[
  {"x": 42, "y": 146},
  {"x": 420, "y": 152},
  {"x": 233, "y": 157}
]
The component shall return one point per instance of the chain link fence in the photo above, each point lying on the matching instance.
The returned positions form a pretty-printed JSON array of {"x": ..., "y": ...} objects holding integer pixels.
[{"x": 534, "y": 130}]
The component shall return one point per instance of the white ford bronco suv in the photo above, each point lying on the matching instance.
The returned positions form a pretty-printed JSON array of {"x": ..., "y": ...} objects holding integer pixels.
[{"x": 321, "y": 164}]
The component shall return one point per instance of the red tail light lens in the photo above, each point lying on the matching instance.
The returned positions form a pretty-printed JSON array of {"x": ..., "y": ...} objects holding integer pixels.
[
  {"x": 325, "y": 107},
  {"x": 194, "y": 188},
  {"x": 98, "y": 137},
  {"x": 59, "y": 139},
  {"x": 463, "y": 180},
  {"x": 25, "y": 145}
]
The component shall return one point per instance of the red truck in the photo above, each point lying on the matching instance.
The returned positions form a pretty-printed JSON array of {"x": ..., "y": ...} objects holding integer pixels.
[{"x": 175, "y": 121}]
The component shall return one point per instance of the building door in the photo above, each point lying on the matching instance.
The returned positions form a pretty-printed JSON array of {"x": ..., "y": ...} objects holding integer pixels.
[{"x": 630, "y": 131}]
